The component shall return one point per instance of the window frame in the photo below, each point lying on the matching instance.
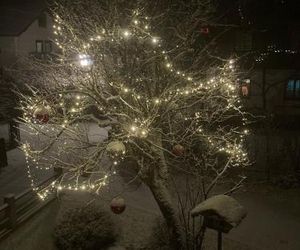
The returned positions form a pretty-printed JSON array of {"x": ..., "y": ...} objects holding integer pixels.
[
  {"x": 242, "y": 38},
  {"x": 293, "y": 96},
  {"x": 49, "y": 42},
  {"x": 245, "y": 82},
  {"x": 36, "y": 46}
]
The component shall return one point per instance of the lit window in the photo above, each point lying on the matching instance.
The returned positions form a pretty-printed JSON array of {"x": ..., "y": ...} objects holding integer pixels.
[
  {"x": 292, "y": 89},
  {"x": 245, "y": 88}
]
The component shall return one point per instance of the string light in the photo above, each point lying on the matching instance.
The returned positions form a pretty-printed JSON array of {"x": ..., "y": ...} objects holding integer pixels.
[{"x": 138, "y": 127}]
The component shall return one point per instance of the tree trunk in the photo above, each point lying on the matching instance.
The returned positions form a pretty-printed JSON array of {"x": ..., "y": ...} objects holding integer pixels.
[
  {"x": 161, "y": 194},
  {"x": 157, "y": 181}
]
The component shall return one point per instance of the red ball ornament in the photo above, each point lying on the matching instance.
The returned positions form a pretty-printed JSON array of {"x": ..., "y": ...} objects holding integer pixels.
[
  {"x": 41, "y": 114},
  {"x": 117, "y": 205},
  {"x": 178, "y": 150}
]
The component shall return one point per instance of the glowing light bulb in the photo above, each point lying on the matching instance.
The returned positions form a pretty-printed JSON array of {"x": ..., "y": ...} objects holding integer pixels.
[
  {"x": 126, "y": 33},
  {"x": 85, "y": 60},
  {"x": 154, "y": 40}
]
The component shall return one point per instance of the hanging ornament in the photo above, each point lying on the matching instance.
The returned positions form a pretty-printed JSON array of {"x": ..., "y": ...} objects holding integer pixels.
[
  {"x": 204, "y": 30},
  {"x": 42, "y": 113},
  {"x": 115, "y": 148},
  {"x": 178, "y": 150},
  {"x": 117, "y": 205}
]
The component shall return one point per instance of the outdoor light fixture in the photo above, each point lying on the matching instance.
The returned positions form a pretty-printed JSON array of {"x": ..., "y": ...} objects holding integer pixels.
[
  {"x": 126, "y": 33},
  {"x": 85, "y": 60}
]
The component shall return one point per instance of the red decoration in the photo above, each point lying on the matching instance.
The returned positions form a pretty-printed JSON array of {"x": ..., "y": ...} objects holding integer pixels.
[
  {"x": 117, "y": 205},
  {"x": 245, "y": 88},
  {"x": 41, "y": 114},
  {"x": 178, "y": 150},
  {"x": 245, "y": 91},
  {"x": 204, "y": 30}
]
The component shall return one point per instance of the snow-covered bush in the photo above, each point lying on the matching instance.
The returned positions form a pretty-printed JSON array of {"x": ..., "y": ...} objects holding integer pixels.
[
  {"x": 159, "y": 238},
  {"x": 86, "y": 228}
]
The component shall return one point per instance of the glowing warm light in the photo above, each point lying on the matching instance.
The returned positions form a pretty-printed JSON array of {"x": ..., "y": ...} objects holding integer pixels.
[
  {"x": 85, "y": 60},
  {"x": 126, "y": 33}
]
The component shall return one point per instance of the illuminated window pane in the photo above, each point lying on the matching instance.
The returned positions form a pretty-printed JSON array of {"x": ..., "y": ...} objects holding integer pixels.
[
  {"x": 297, "y": 89},
  {"x": 245, "y": 88},
  {"x": 292, "y": 90}
]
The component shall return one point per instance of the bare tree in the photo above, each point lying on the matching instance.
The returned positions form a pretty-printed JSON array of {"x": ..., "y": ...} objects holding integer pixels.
[{"x": 141, "y": 69}]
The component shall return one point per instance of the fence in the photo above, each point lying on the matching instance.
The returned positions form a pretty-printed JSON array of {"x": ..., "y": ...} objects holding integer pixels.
[{"x": 18, "y": 208}]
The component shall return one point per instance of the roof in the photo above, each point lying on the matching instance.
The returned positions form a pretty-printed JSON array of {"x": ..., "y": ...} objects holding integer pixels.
[{"x": 17, "y": 15}]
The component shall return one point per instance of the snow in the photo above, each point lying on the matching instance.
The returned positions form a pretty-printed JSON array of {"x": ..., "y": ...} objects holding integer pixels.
[
  {"x": 265, "y": 227},
  {"x": 224, "y": 207},
  {"x": 115, "y": 147}
]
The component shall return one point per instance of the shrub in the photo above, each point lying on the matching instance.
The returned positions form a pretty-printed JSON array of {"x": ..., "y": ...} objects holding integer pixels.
[
  {"x": 159, "y": 238},
  {"x": 85, "y": 228}
]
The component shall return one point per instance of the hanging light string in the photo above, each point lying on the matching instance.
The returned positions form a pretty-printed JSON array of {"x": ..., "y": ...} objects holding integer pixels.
[{"x": 72, "y": 106}]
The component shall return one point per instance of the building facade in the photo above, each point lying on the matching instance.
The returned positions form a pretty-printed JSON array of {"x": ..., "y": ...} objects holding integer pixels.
[{"x": 25, "y": 29}]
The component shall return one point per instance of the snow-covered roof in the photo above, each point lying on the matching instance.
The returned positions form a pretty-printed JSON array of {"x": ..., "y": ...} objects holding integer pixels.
[
  {"x": 222, "y": 206},
  {"x": 17, "y": 15}
]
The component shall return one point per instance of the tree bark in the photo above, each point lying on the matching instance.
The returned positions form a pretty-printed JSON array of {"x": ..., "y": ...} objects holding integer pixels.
[
  {"x": 157, "y": 181},
  {"x": 161, "y": 194}
]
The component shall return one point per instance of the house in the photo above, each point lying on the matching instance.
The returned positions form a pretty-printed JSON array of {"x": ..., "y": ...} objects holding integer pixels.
[
  {"x": 25, "y": 29},
  {"x": 265, "y": 36}
]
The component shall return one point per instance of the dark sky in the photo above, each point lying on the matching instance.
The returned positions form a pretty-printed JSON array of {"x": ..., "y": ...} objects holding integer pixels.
[{"x": 16, "y": 15}]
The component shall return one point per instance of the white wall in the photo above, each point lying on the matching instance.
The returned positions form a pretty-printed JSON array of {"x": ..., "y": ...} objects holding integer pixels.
[
  {"x": 275, "y": 97},
  {"x": 26, "y": 41},
  {"x": 13, "y": 48}
]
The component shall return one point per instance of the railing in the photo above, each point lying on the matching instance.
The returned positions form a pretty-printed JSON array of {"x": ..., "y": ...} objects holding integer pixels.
[{"x": 18, "y": 208}]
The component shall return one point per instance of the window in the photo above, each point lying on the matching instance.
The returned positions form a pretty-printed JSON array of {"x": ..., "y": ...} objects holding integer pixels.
[
  {"x": 48, "y": 47},
  {"x": 292, "y": 89},
  {"x": 245, "y": 88},
  {"x": 39, "y": 48},
  {"x": 243, "y": 41},
  {"x": 42, "y": 20}
]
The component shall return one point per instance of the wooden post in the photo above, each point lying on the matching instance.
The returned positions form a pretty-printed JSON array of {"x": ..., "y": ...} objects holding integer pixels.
[
  {"x": 3, "y": 156},
  {"x": 11, "y": 210}
]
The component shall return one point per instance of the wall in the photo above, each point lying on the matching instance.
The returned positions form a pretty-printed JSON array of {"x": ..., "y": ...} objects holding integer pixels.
[
  {"x": 275, "y": 81},
  {"x": 7, "y": 50},
  {"x": 26, "y": 41}
]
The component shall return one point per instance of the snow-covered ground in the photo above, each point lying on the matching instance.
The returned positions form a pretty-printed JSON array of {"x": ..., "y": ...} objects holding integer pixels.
[
  {"x": 14, "y": 178},
  {"x": 273, "y": 221}
]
